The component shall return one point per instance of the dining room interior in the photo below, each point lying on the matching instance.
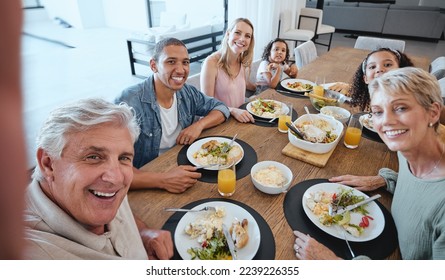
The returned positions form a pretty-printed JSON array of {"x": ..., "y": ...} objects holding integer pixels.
[{"x": 64, "y": 59}]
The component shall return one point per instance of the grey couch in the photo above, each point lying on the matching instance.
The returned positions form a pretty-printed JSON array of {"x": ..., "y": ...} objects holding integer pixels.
[{"x": 386, "y": 19}]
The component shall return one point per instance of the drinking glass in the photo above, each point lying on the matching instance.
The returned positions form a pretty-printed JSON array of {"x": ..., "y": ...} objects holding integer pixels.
[
  {"x": 285, "y": 117},
  {"x": 318, "y": 89},
  {"x": 227, "y": 181},
  {"x": 353, "y": 132}
]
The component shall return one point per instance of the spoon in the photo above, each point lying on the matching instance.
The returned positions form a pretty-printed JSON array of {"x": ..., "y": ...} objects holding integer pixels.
[
  {"x": 307, "y": 112},
  {"x": 294, "y": 129}
]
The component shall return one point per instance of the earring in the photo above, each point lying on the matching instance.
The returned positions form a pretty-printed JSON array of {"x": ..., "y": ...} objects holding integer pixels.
[{"x": 430, "y": 125}]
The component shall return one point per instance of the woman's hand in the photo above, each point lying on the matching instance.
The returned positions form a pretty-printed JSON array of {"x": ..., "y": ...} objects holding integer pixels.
[
  {"x": 241, "y": 115},
  {"x": 361, "y": 183},
  {"x": 307, "y": 248}
]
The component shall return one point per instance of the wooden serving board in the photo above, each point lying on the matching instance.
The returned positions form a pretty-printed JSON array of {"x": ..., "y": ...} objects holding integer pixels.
[{"x": 319, "y": 160}]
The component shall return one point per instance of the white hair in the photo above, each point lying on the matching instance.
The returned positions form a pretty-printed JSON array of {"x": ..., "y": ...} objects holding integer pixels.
[{"x": 80, "y": 116}]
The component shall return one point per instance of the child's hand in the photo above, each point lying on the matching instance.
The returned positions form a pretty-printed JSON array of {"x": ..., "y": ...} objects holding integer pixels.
[
  {"x": 293, "y": 71},
  {"x": 272, "y": 66}
]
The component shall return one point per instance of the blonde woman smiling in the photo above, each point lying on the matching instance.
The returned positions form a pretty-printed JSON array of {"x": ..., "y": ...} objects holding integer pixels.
[{"x": 225, "y": 73}]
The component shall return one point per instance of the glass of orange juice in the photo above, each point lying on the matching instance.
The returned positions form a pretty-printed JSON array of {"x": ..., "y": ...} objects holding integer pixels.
[
  {"x": 318, "y": 88},
  {"x": 353, "y": 132},
  {"x": 285, "y": 116},
  {"x": 227, "y": 181}
]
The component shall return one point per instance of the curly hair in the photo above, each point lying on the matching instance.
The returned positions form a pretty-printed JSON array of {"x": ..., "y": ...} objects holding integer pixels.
[
  {"x": 359, "y": 89},
  {"x": 268, "y": 49}
]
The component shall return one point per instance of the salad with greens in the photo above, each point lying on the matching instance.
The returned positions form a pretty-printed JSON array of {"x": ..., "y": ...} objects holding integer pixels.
[
  {"x": 215, "y": 248},
  {"x": 320, "y": 202}
]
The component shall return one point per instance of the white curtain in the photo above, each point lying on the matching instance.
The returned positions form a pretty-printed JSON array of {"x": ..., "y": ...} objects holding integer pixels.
[{"x": 264, "y": 14}]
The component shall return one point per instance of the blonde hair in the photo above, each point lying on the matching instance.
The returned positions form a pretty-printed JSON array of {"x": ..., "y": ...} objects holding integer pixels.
[
  {"x": 422, "y": 85},
  {"x": 245, "y": 58}
]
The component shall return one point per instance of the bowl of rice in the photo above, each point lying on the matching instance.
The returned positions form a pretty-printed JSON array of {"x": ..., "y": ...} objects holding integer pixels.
[
  {"x": 271, "y": 177},
  {"x": 338, "y": 113}
]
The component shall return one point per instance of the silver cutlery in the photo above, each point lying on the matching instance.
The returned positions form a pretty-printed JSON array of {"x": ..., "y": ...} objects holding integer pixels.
[
  {"x": 292, "y": 127},
  {"x": 225, "y": 149},
  {"x": 229, "y": 241},
  {"x": 264, "y": 121},
  {"x": 309, "y": 114},
  {"x": 333, "y": 212},
  {"x": 346, "y": 239},
  {"x": 206, "y": 166},
  {"x": 207, "y": 208}
]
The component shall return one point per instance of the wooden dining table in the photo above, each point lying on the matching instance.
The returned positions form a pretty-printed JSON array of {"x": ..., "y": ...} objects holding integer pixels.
[{"x": 339, "y": 64}]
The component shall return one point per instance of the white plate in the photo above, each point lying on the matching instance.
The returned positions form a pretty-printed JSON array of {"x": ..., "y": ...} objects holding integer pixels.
[
  {"x": 183, "y": 242},
  {"x": 196, "y": 146},
  {"x": 286, "y": 81},
  {"x": 365, "y": 120},
  {"x": 375, "y": 228},
  {"x": 249, "y": 105}
]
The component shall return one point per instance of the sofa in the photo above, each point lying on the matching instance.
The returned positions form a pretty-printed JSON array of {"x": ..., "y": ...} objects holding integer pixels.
[
  {"x": 200, "y": 41},
  {"x": 416, "y": 22}
]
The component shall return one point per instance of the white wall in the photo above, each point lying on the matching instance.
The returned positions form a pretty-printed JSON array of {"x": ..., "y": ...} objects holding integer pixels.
[
  {"x": 199, "y": 12},
  {"x": 128, "y": 14},
  {"x": 78, "y": 13},
  {"x": 264, "y": 15}
]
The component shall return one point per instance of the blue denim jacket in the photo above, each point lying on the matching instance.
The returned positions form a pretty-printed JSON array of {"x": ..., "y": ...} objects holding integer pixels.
[{"x": 191, "y": 103}]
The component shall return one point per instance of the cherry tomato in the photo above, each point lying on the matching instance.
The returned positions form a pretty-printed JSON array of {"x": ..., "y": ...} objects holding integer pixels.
[
  {"x": 365, "y": 221},
  {"x": 204, "y": 244}
]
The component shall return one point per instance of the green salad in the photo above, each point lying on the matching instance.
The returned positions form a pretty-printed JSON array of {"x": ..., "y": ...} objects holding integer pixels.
[{"x": 215, "y": 248}]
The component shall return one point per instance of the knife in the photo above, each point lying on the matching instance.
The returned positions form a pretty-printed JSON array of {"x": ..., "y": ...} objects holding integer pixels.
[
  {"x": 265, "y": 121},
  {"x": 229, "y": 241},
  {"x": 338, "y": 95},
  {"x": 358, "y": 204}
]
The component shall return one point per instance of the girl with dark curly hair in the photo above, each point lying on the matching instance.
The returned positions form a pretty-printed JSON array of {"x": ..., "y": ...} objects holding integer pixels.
[
  {"x": 274, "y": 63},
  {"x": 374, "y": 65}
]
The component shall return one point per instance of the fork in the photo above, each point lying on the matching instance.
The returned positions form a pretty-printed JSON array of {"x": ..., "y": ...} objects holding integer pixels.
[
  {"x": 226, "y": 148},
  {"x": 206, "y": 208},
  {"x": 346, "y": 239},
  {"x": 331, "y": 213}
]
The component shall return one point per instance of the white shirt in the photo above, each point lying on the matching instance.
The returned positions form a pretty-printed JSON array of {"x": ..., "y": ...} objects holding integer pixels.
[{"x": 170, "y": 126}]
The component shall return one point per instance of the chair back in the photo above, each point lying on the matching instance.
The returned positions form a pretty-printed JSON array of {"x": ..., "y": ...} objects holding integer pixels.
[
  {"x": 285, "y": 22},
  {"x": 442, "y": 87},
  {"x": 373, "y": 43},
  {"x": 194, "y": 80},
  {"x": 305, "y": 53},
  {"x": 310, "y": 19},
  {"x": 253, "y": 70},
  {"x": 437, "y": 67}
]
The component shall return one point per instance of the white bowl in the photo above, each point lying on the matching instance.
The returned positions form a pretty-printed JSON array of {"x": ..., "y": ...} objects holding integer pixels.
[
  {"x": 270, "y": 189},
  {"x": 316, "y": 148},
  {"x": 338, "y": 113}
]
